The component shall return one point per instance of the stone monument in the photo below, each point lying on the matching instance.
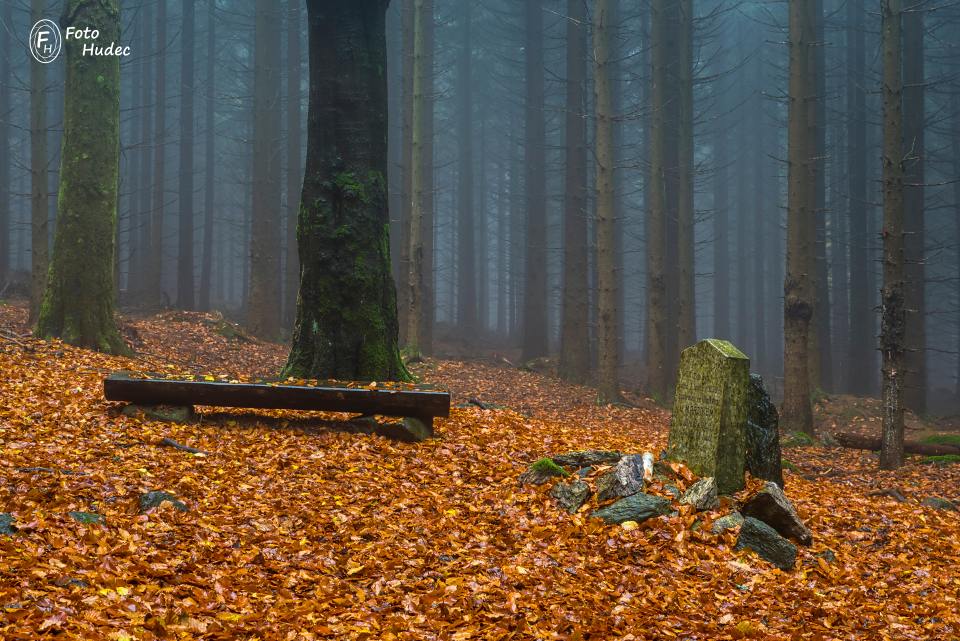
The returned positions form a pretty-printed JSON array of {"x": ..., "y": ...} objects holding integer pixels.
[{"x": 707, "y": 431}]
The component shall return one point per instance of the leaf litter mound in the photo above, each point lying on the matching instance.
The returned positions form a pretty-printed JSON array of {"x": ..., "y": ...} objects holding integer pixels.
[{"x": 294, "y": 529}]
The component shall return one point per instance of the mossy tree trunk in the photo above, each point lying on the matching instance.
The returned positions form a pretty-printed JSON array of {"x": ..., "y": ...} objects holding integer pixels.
[
  {"x": 79, "y": 299},
  {"x": 346, "y": 324},
  {"x": 39, "y": 210}
]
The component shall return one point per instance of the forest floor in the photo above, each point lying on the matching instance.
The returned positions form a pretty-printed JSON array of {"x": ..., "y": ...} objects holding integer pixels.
[{"x": 299, "y": 530}]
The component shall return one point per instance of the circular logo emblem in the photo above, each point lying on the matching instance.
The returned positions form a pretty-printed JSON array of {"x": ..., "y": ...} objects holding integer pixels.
[{"x": 45, "y": 41}]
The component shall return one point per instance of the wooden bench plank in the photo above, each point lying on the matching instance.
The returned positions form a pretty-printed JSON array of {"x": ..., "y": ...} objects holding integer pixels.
[{"x": 363, "y": 400}]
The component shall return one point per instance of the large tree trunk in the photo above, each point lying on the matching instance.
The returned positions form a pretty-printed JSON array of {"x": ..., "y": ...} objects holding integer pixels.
[
  {"x": 861, "y": 316},
  {"x": 346, "y": 314},
  {"x": 209, "y": 190},
  {"x": 142, "y": 262},
  {"x": 294, "y": 165},
  {"x": 406, "y": 164},
  {"x": 657, "y": 374},
  {"x": 466, "y": 225},
  {"x": 39, "y": 211},
  {"x": 607, "y": 347},
  {"x": 574, "y": 330},
  {"x": 798, "y": 289},
  {"x": 535, "y": 338},
  {"x": 79, "y": 300},
  {"x": 154, "y": 281},
  {"x": 265, "y": 301},
  {"x": 893, "y": 312},
  {"x": 185, "y": 285},
  {"x": 821, "y": 374},
  {"x": 914, "y": 121}
]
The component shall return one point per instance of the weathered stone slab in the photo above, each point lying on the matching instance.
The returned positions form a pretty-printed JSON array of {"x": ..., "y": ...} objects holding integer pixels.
[
  {"x": 772, "y": 506},
  {"x": 586, "y": 458},
  {"x": 702, "y": 495},
  {"x": 638, "y": 507},
  {"x": 7, "y": 524},
  {"x": 707, "y": 430},
  {"x": 571, "y": 496},
  {"x": 763, "y": 434},
  {"x": 938, "y": 503},
  {"x": 626, "y": 479},
  {"x": 728, "y": 522},
  {"x": 761, "y": 538}
]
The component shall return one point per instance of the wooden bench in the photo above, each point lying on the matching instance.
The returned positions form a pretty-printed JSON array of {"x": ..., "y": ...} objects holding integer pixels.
[{"x": 417, "y": 407}]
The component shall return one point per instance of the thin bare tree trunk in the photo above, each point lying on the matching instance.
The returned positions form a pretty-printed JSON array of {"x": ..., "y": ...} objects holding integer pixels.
[
  {"x": 466, "y": 223},
  {"x": 574, "y": 331},
  {"x": 407, "y": 36},
  {"x": 294, "y": 163},
  {"x": 426, "y": 179},
  {"x": 185, "y": 286},
  {"x": 607, "y": 347},
  {"x": 155, "y": 279},
  {"x": 686, "y": 302},
  {"x": 798, "y": 305},
  {"x": 209, "y": 190},
  {"x": 39, "y": 209},
  {"x": 893, "y": 312},
  {"x": 914, "y": 119}
]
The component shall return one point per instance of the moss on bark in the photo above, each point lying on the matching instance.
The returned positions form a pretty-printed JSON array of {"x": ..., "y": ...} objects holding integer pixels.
[
  {"x": 78, "y": 303},
  {"x": 346, "y": 324}
]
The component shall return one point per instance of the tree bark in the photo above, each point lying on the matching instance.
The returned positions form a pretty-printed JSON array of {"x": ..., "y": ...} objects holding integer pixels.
[
  {"x": 657, "y": 374},
  {"x": 406, "y": 163},
  {"x": 862, "y": 341},
  {"x": 78, "y": 302},
  {"x": 466, "y": 223},
  {"x": 798, "y": 305},
  {"x": 6, "y": 36},
  {"x": 914, "y": 122},
  {"x": 265, "y": 301},
  {"x": 39, "y": 209},
  {"x": 574, "y": 331},
  {"x": 892, "y": 309},
  {"x": 346, "y": 314},
  {"x": 686, "y": 302},
  {"x": 426, "y": 179},
  {"x": 154, "y": 284},
  {"x": 821, "y": 374},
  {"x": 294, "y": 163},
  {"x": 535, "y": 338},
  {"x": 209, "y": 189},
  {"x": 607, "y": 347},
  {"x": 185, "y": 284}
]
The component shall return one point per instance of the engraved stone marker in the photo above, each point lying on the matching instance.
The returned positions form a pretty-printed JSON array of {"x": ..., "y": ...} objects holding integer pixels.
[{"x": 707, "y": 431}]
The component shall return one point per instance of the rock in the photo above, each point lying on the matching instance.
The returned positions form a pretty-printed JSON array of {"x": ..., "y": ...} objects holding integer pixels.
[
  {"x": 542, "y": 471},
  {"x": 762, "y": 434},
  {"x": 166, "y": 413},
  {"x": 761, "y": 538},
  {"x": 828, "y": 555},
  {"x": 772, "y": 506},
  {"x": 702, "y": 495},
  {"x": 638, "y": 507},
  {"x": 416, "y": 430},
  {"x": 87, "y": 518},
  {"x": 571, "y": 496},
  {"x": 587, "y": 458},
  {"x": 584, "y": 472},
  {"x": 938, "y": 503},
  {"x": 728, "y": 522},
  {"x": 626, "y": 479},
  {"x": 707, "y": 430},
  {"x": 673, "y": 489},
  {"x": 155, "y": 498},
  {"x": 6, "y": 524}
]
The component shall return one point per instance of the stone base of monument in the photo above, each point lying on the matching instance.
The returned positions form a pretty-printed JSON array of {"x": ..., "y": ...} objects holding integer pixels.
[{"x": 610, "y": 486}]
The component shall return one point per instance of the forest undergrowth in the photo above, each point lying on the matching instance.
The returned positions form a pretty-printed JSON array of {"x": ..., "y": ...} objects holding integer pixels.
[{"x": 295, "y": 529}]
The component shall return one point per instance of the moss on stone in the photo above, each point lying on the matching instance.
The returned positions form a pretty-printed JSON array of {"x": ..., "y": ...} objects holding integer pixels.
[
  {"x": 942, "y": 459},
  {"x": 942, "y": 439},
  {"x": 547, "y": 466}
]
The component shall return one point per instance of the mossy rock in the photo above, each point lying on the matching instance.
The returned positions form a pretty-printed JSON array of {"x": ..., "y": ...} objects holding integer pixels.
[
  {"x": 6, "y": 524},
  {"x": 767, "y": 543},
  {"x": 542, "y": 471},
  {"x": 586, "y": 458},
  {"x": 165, "y": 413},
  {"x": 155, "y": 498},
  {"x": 570, "y": 496},
  {"x": 638, "y": 507},
  {"x": 798, "y": 439},
  {"x": 938, "y": 503},
  {"x": 942, "y": 439},
  {"x": 942, "y": 459},
  {"x": 87, "y": 518}
]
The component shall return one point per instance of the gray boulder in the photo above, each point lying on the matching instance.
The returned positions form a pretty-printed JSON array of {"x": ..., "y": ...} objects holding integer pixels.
[
  {"x": 762, "y": 434},
  {"x": 728, "y": 522},
  {"x": 6, "y": 524},
  {"x": 638, "y": 507},
  {"x": 542, "y": 471},
  {"x": 772, "y": 506},
  {"x": 571, "y": 496},
  {"x": 626, "y": 479},
  {"x": 761, "y": 538},
  {"x": 702, "y": 495},
  {"x": 938, "y": 503},
  {"x": 155, "y": 498},
  {"x": 587, "y": 458}
]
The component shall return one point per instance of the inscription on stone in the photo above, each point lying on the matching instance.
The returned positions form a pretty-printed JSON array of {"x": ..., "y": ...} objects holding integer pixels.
[{"x": 709, "y": 412}]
